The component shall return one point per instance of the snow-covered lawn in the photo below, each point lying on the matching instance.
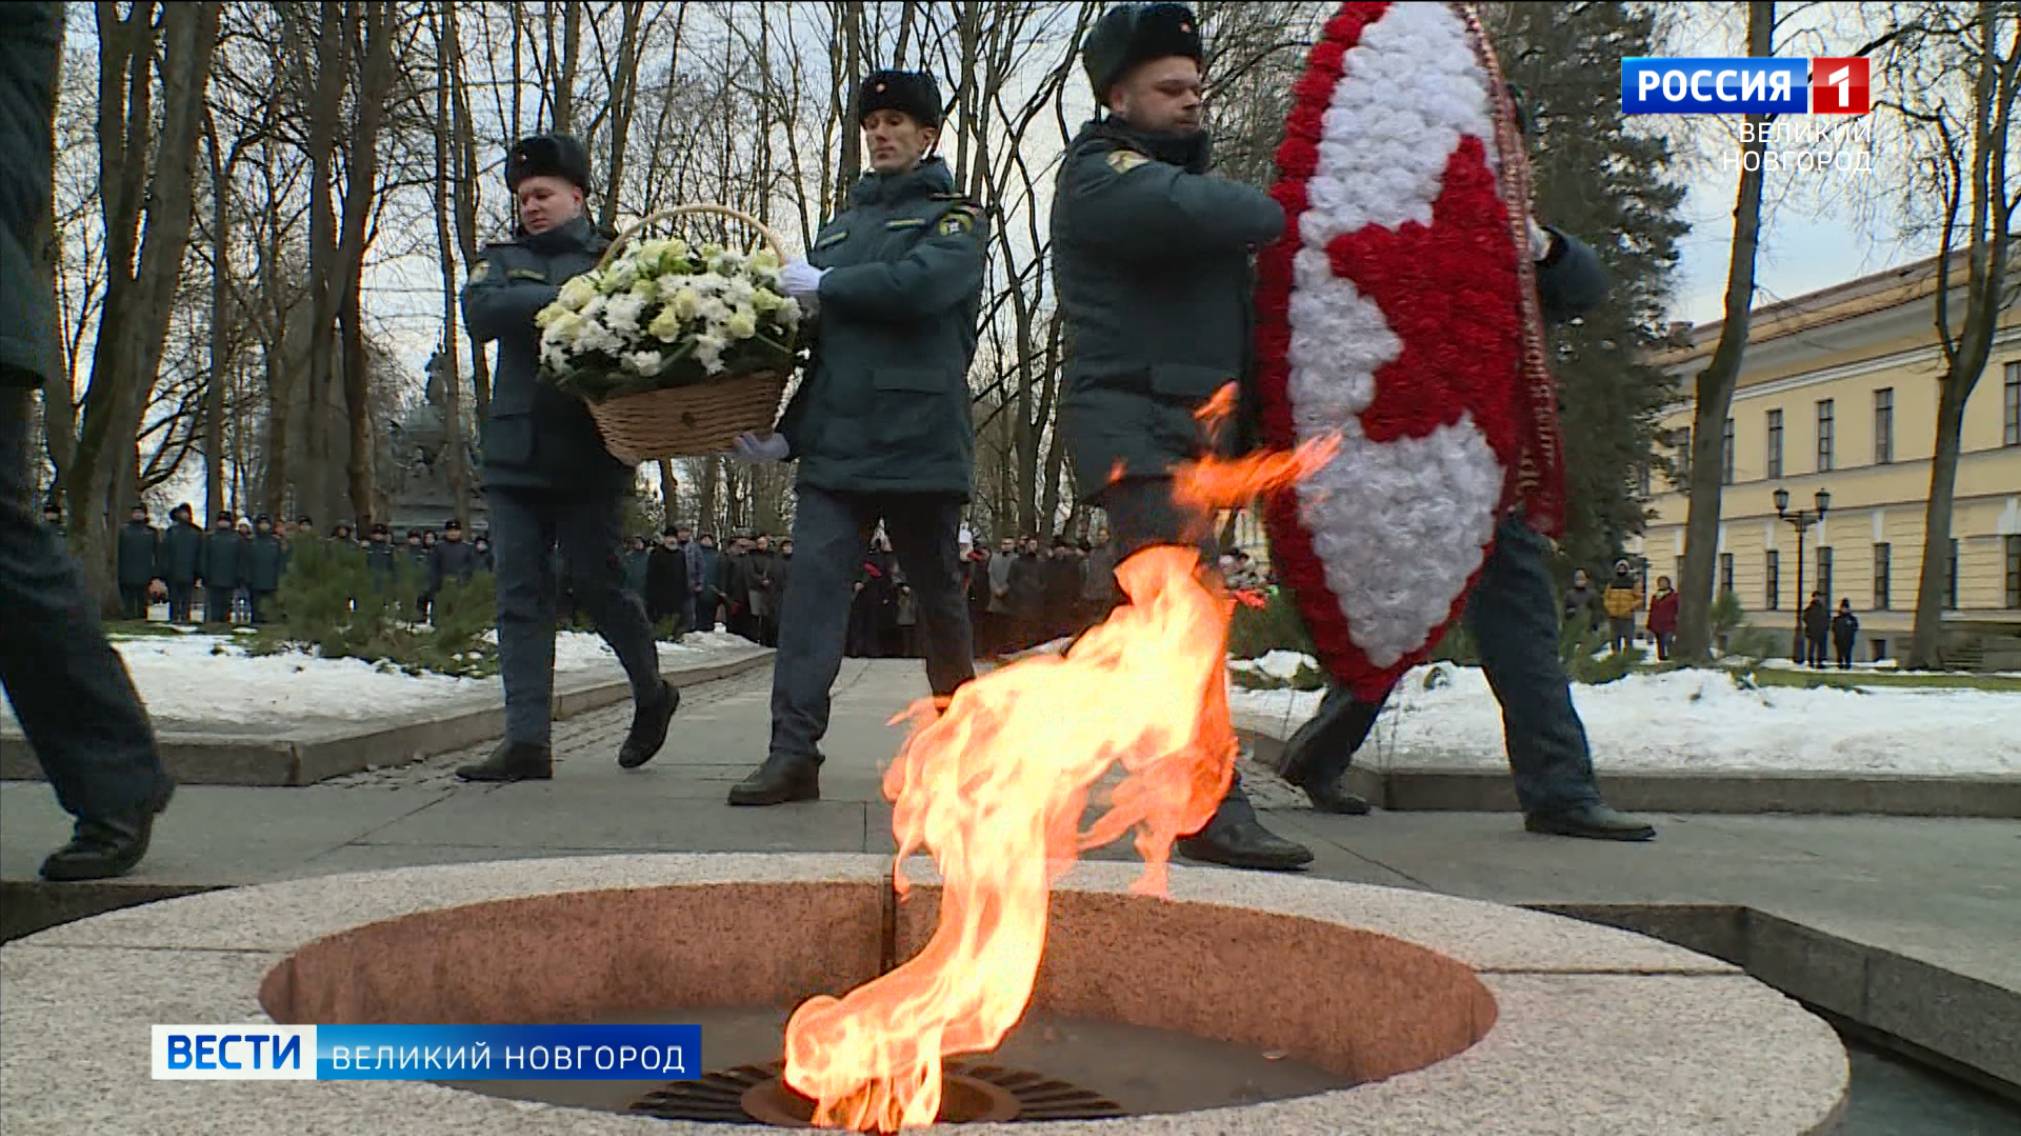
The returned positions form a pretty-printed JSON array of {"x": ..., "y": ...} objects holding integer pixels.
[
  {"x": 1684, "y": 720},
  {"x": 202, "y": 681}
]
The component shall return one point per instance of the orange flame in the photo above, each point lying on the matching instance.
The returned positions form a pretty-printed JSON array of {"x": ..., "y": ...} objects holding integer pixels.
[{"x": 994, "y": 788}]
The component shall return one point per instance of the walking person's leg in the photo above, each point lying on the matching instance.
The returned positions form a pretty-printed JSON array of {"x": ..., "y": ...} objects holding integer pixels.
[
  {"x": 829, "y": 532},
  {"x": 589, "y": 532},
  {"x": 1142, "y": 513},
  {"x": 1320, "y": 753},
  {"x": 522, "y": 540},
  {"x": 1510, "y": 615},
  {"x": 69, "y": 689},
  {"x": 925, "y": 533}
]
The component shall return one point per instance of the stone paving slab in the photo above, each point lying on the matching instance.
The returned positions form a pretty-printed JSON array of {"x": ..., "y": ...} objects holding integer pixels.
[
  {"x": 1425, "y": 789},
  {"x": 1624, "y": 1042},
  {"x": 307, "y": 755},
  {"x": 1942, "y": 894}
]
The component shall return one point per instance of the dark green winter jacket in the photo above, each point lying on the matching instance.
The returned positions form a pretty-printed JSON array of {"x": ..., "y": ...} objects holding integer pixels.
[
  {"x": 1151, "y": 258},
  {"x": 885, "y": 404},
  {"x": 181, "y": 553},
  {"x": 31, "y": 42},
  {"x": 139, "y": 550},
  {"x": 266, "y": 561},
  {"x": 224, "y": 559},
  {"x": 536, "y": 437}
]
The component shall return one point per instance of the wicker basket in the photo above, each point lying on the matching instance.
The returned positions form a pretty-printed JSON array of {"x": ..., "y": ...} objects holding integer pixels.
[{"x": 698, "y": 419}]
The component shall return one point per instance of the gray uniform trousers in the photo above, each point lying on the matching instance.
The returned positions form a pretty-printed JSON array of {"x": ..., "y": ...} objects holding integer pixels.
[
  {"x": 830, "y": 533},
  {"x": 526, "y": 527},
  {"x": 69, "y": 688}
]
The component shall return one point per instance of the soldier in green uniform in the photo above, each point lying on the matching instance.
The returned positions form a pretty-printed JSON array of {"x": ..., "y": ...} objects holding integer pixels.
[
  {"x": 881, "y": 425},
  {"x": 1152, "y": 260},
  {"x": 139, "y": 553},
  {"x": 181, "y": 558},
  {"x": 379, "y": 558},
  {"x": 266, "y": 561},
  {"x": 223, "y": 569},
  {"x": 549, "y": 482}
]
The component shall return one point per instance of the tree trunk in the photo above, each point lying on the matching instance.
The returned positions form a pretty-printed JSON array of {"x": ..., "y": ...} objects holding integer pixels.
[
  {"x": 465, "y": 190},
  {"x": 450, "y": 375},
  {"x": 571, "y": 48},
  {"x": 332, "y": 59},
  {"x": 375, "y": 84},
  {"x": 1716, "y": 383},
  {"x": 220, "y": 363},
  {"x": 624, "y": 104},
  {"x": 1995, "y": 82},
  {"x": 140, "y": 293},
  {"x": 1926, "y": 642},
  {"x": 852, "y": 73}
]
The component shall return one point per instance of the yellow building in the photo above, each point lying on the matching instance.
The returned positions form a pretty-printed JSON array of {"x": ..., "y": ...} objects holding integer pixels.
[{"x": 1838, "y": 393}]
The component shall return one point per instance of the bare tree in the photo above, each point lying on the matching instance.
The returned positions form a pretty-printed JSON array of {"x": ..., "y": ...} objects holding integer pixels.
[
  {"x": 1962, "y": 111},
  {"x": 147, "y": 224},
  {"x": 1716, "y": 383}
]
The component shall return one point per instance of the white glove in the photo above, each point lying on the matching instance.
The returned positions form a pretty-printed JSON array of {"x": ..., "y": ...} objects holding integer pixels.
[
  {"x": 753, "y": 449},
  {"x": 801, "y": 279},
  {"x": 1540, "y": 241}
]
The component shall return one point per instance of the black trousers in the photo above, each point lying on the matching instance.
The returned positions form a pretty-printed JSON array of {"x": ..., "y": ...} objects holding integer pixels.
[
  {"x": 133, "y": 601},
  {"x": 69, "y": 688}
]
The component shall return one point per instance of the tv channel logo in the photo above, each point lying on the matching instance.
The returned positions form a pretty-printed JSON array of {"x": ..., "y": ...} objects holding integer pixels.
[
  {"x": 1746, "y": 84},
  {"x": 234, "y": 1052}
]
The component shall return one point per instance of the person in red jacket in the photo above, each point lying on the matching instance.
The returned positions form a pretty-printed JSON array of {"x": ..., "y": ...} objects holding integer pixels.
[{"x": 1663, "y": 617}]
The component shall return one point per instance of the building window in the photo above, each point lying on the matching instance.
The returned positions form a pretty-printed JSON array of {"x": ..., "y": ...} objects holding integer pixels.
[
  {"x": 1681, "y": 439},
  {"x": 2014, "y": 571},
  {"x": 1725, "y": 572},
  {"x": 1726, "y": 453},
  {"x": 1824, "y": 573},
  {"x": 2011, "y": 406},
  {"x": 1642, "y": 485},
  {"x": 1884, "y": 425},
  {"x": 1824, "y": 435},
  {"x": 1774, "y": 444},
  {"x": 1774, "y": 580},
  {"x": 1883, "y": 562},
  {"x": 1951, "y": 579}
]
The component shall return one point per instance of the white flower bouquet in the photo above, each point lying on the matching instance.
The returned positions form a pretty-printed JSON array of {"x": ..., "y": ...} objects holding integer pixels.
[{"x": 676, "y": 347}]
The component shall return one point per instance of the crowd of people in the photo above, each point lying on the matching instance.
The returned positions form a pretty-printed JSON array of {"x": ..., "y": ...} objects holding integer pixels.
[{"x": 232, "y": 572}]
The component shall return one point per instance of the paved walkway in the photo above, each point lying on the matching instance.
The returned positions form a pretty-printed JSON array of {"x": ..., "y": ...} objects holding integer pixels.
[{"x": 1942, "y": 892}]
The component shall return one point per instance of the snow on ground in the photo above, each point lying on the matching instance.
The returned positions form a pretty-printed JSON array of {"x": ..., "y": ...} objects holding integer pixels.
[
  {"x": 197, "y": 680},
  {"x": 1688, "y": 720},
  {"x": 1282, "y": 665}
]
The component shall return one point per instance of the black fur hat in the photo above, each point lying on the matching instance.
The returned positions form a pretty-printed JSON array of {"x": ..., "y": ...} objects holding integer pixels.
[
  {"x": 548, "y": 155},
  {"x": 912, "y": 92},
  {"x": 1129, "y": 34}
]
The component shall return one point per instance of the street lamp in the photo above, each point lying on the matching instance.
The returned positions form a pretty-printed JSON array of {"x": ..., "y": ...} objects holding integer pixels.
[{"x": 1801, "y": 521}]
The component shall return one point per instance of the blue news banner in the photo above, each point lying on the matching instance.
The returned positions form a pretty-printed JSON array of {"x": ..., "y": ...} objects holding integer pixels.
[{"x": 251, "y": 1052}]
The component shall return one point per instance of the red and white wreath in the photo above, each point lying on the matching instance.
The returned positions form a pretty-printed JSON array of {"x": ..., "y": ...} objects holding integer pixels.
[{"x": 1398, "y": 311}]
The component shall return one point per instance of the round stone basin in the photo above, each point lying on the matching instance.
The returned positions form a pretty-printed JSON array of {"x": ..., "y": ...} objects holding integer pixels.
[{"x": 1404, "y": 1011}]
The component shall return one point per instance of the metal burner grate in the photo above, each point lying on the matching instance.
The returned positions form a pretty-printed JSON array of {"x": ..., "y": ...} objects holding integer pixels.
[{"x": 973, "y": 1092}]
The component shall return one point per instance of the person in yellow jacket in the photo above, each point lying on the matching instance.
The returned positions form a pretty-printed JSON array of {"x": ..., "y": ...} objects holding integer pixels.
[{"x": 1621, "y": 600}]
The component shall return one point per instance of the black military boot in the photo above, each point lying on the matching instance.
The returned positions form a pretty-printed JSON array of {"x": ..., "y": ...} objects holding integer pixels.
[
  {"x": 512, "y": 761},
  {"x": 649, "y": 727},
  {"x": 1594, "y": 821},
  {"x": 1236, "y": 838},
  {"x": 103, "y": 847},
  {"x": 1333, "y": 797},
  {"x": 779, "y": 780}
]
